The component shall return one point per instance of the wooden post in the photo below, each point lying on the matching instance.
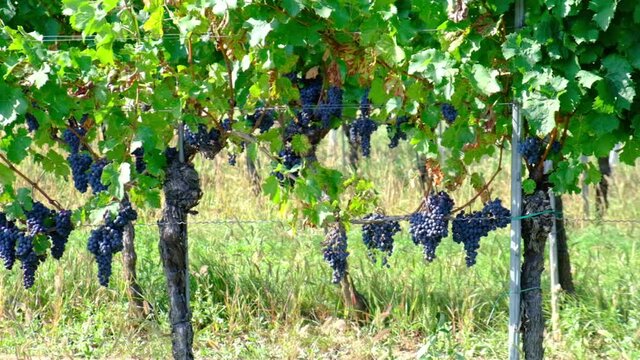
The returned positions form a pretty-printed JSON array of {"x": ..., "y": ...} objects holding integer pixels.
[
  {"x": 553, "y": 269},
  {"x": 516, "y": 211}
]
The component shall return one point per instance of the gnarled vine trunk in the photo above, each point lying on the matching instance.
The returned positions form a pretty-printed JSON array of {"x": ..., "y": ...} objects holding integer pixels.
[
  {"x": 351, "y": 153},
  {"x": 138, "y": 307},
  {"x": 182, "y": 192},
  {"x": 354, "y": 302},
  {"x": 535, "y": 231},
  {"x": 564, "y": 261}
]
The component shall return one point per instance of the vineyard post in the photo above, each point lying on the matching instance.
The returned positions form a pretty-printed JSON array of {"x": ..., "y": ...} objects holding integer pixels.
[
  {"x": 516, "y": 210},
  {"x": 553, "y": 269}
]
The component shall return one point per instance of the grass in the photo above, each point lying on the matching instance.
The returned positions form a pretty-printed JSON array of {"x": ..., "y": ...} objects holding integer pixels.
[{"x": 260, "y": 291}]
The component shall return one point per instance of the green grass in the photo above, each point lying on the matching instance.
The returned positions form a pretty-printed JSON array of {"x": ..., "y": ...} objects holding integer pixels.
[{"x": 260, "y": 291}]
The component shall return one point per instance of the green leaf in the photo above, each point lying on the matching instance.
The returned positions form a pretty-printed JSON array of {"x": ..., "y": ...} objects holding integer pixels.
[
  {"x": 293, "y": 7},
  {"x": 40, "y": 77},
  {"x": 485, "y": 79},
  {"x": 260, "y": 30},
  {"x": 16, "y": 145},
  {"x": 619, "y": 76},
  {"x": 604, "y": 9},
  {"x": 528, "y": 186},
  {"x": 300, "y": 144},
  {"x": 154, "y": 23},
  {"x": 6, "y": 175},
  {"x": 527, "y": 52},
  {"x": 12, "y": 104},
  {"x": 540, "y": 112},
  {"x": 586, "y": 78}
]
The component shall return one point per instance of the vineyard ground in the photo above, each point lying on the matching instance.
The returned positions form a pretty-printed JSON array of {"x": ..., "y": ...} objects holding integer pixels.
[{"x": 262, "y": 291}]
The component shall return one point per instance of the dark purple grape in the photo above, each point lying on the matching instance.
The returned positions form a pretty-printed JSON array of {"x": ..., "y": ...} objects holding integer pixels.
[
  {"x": 531, "y": 149},
  {"x": 428, "y": 228},
  {"x": 32, "y": 122},
  {"x": 141, "y": 166},
  {"x": 449, "y": 113},
  {"x": 80, "y": 164},
  {"x": 95, "y": 176},
  {"x": 335, "y": 251},
  {"x": 379, "y": 236}
]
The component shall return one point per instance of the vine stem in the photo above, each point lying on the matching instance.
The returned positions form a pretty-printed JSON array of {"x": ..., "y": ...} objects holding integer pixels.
[
  {"x": 31, "y": 182},
  {"x": 486, "y": 185},
  {"x": 83, "y": 141}
]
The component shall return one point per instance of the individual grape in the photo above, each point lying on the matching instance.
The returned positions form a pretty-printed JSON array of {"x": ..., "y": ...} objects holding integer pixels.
[
  {"x": 263, "y": 119},
  {"x": 395, "y": 131},
  {"x": 95, "y": 176},
  {"x": 232, "y": 159},
  {"x": 335, "y": 251},
  {"x": 428, "y": 228},
  {"x": 449, "y": 112},
  {"x": 32, "y": 122},
  {"x": 360, "y": 133},
  {"x": 71, "y": 138},
  {"x": 379, "y": 236},
  {"x": 141, "y": 166},
  {"x": 8, "y": 246},
  {"x": 530, "y": 150},
  {"x": 80, "y": 165}
]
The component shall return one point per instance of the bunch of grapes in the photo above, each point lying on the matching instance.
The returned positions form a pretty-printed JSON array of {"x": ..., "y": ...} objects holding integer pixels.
[
  {"x": 449, "y": 112},
  {"x": 468, "y": 229},
  {"x": 335, "y": 251},
  {"x": 530, "y": 150},
  {"x": 8, "y": 238},
  {"x": 263, "y": 119},
  {"x": 38, "y": 218},
  {"x": 361, "y": 129},
  {"x": 32, "y": 122},
  {"x": 428, "y": 228},
  {"x": 310, "y": 93},
  {"x": 396, "y": 133},
  {"x": 63, "y": 227},
  {"x": 289, "y": 160},
  {"x": 226, "y": 125},
  {"x": 379, "y": 236},
  {"x": 106, "y": 240},
  {"x": 70, "y": 136},
  {"x": 28, "y": 257},
  {"x": 80, "y": 165},
  {"x": 205, "y": 141},
  {"x": 95, "y": 176},
  {"x": 331, "y": 107},
  {"x": 138, "y": 154}
]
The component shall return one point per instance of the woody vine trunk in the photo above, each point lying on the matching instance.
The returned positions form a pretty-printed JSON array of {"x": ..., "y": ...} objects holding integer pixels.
[{"x": 182, "y": 192}]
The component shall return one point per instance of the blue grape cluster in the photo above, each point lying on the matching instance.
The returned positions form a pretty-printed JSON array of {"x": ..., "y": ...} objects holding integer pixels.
[
  {"x": 32, "y": 122},
  {"x": 106, "y": 240},
  {"x": 8, "y": 239},
  {"x": 395, "y": 131},
  {"x": 232, "y": 159},
  {"x": 203, "y": 140},
  {"x": 95, "y": 176},
  {"x": 361, "y": 129},
  {"x": 428, "y": 228},
  {"x": 263, "y": 119},
  {"x": 226, "y": 125},
  {"x": 449, "y": 112},
  {"x": 71, "y": 138},
  {"x": 80, "y": 165},
  {"x": 379, "y": 236},
  {"x": 17, "y": 244},
  {"x": 335, "y": 251},
  {"x": 468, "y": 229},
  {"x": 331, "y": 107},
  {"x": 531, "y": 149},
  {"x": 138, "y": 154},
  {"x": 310, "y": 93},
  {"x": 289, "y": 159}
]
